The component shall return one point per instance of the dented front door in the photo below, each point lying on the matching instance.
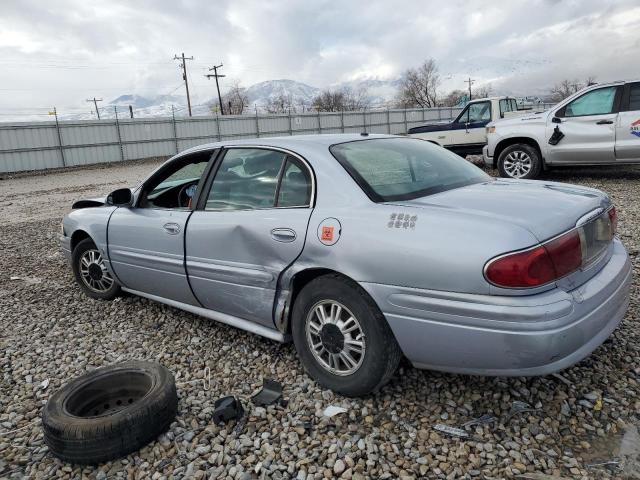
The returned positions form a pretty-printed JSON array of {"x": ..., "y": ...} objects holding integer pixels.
[{"x": 249, "y": 228}]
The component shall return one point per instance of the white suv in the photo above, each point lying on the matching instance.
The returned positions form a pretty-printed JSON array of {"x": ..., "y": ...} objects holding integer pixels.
[{"x": 599, "y": 125}]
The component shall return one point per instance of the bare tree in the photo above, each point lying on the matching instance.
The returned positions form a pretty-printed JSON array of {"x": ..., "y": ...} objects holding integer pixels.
[
  {"x": 483, "y": 91},
  {"x": 567, "y": 88},
  {"x": 419, "y": 86},
  {"x": 345, "y": 99},
  {"x": 454, "y": 98},
  {"x": 234, "y": 100},
  {"x": 280, "y": 104}
]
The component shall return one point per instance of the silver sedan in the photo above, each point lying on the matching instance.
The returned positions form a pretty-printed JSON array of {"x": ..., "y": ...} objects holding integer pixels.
[{"x": 363, "y": 249}]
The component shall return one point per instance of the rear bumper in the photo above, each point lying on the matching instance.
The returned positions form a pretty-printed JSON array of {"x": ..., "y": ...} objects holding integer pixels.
[
  {"x": 507, "y": 336},
  {"x": 488, "y": 161}
]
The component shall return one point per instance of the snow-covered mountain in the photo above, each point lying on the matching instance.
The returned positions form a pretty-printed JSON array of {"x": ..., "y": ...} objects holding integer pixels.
[
  {"x": 380, "y": 92},
  {"x": 263, "y": 93},
  {"x": 143, "y": 107}
]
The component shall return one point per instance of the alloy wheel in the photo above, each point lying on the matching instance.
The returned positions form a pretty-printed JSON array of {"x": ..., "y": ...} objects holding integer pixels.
[
  {"x": 335, "y": 337},
  {"x": 94, "y": 272},
  {"x": 517, "y": 164}
]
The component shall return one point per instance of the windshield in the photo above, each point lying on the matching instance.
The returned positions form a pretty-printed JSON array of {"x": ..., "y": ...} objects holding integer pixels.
[{"x": 389, "y": 169}]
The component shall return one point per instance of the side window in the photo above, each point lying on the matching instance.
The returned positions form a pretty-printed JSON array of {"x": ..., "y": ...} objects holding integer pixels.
[
  {"x": 246, "y": 180},
  {"x": 506, "y": 106},
  {"x": 295, "y": 187},
  {"x": 176, "y": 186},
  {"x": 595, "y": 102},
  {"x": 464, "y": 116},
  {"x": 634, "y": 97},
  {"x": 480, "y": 112}
]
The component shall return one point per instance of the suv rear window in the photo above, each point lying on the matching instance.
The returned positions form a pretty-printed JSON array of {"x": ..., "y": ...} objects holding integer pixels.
[
  {"x": 390, "y": 169},
  {"x": 634, "y": 97}
]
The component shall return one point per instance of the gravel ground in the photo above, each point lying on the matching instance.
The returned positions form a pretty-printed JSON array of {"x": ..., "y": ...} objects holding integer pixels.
[{"x": 50, "y": 333}]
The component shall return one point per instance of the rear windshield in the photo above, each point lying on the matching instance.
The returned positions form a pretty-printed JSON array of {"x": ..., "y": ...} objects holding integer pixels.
[{"x": 390, "y": 169}]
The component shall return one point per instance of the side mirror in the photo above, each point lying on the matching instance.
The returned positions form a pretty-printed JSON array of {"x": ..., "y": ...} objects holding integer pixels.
[
  {"x": 556, "y": 120},
  {"x": 123, "y": 197}
]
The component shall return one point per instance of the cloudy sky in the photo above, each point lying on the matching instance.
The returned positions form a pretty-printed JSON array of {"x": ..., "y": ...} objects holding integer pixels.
[{"x": 63, "y": 52}]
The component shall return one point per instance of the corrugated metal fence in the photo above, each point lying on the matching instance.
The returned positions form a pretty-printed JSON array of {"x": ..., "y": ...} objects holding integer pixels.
[{"x": 41, "y": 145}]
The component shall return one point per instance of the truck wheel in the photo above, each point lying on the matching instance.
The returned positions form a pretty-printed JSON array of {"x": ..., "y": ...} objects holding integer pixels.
[
  {"x": 91, "y": 273},
  {"x": 342, "y": 338},
  {"x": 109, "y": 412},
  {"x": 519, "y": 161}
]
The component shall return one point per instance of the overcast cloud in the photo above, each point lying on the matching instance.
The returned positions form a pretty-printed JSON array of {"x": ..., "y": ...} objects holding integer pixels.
[{"x": 60, "y": 53}]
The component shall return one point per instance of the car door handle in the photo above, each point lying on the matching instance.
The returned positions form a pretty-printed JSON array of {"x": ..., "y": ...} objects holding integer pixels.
[
  {"x": 283, "y": 234},
  {"x": 171, "y": 228},
  {"x": 604, "y": 122}
]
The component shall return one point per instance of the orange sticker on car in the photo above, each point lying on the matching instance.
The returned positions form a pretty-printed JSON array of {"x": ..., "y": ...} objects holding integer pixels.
[{"x": 327, "y": 234}]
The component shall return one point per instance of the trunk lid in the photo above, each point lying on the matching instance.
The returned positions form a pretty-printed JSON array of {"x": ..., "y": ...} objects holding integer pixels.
[{"x": 546, "y": 209}]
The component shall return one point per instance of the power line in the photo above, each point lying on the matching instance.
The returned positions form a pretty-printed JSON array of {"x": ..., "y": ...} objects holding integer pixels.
[
  {"x": 184, "y": 75},
  {"x": 216, "y": 75},
  {"x": 95, "y": 102}
]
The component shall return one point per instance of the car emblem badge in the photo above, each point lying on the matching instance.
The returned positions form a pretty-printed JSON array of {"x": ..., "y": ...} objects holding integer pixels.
[{"x": 329, "y": 231}]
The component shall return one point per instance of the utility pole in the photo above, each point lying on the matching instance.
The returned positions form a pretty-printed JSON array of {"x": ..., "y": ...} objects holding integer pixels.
[
  {"x": 184, "y": 76},
  {"x": 216, "y": 75},
  {"x": 470, "y": 82},
  {"x": 95, "y": 102}
]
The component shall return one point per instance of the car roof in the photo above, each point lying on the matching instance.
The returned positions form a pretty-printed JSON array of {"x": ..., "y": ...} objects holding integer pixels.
[{"x": 291, "y": 142}]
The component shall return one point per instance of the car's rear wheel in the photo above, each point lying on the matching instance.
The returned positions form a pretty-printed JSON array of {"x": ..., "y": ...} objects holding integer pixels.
[
  {"x": 342, "y": 338},
  {"x": 519, "y": 161},
  {"x": 91, "y": 272}
]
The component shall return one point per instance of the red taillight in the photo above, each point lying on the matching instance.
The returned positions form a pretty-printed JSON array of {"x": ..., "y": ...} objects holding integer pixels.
[
  {"x": 565, "y": 252},
  {"x": 537, "y": 266},
  {"x": 524, "y": 269},
  {"x": 556, "y": 258},
  {"x": 613, "y": 219}
]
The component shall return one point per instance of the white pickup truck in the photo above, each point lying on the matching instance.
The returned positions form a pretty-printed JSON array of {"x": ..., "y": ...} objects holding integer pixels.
[
  {"x": 599, "y": 125},
  {"x": 466, "y": 135}
]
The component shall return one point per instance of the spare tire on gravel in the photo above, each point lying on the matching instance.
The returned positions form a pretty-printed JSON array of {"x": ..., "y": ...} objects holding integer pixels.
[{"x": 110, "y": 412}]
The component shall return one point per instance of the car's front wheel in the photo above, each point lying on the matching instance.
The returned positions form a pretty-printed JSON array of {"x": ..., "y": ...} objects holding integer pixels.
[
  {"x": 519, "y": 161},
  {"x": 342, "y": 338},
  {"x": 91, "y": 272}
]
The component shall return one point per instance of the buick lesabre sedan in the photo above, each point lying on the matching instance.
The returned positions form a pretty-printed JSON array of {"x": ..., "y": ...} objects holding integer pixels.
[{"x": 362, "y": 249}]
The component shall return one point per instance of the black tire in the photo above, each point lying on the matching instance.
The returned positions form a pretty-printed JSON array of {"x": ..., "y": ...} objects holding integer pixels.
[
  {"x": 83, "y": 248},
  {"x": 381, "y": 354},
  {"x": 524, "y": 151},
  {"x": 140, "y": 401}
]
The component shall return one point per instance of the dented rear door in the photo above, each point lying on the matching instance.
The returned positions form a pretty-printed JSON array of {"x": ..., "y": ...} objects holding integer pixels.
[{"x": 250, "y": 226}]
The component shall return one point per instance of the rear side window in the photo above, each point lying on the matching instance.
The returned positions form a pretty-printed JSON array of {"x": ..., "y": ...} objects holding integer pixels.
[
  {"x": 247, "y": 179},
  {"x": 295, "y": 187},
  {"x": 506, "y": 105},
  {"x": 390, "y": 169},
  {"x": 634, "y": 96},
  {"x": 595, "y": 102}
]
